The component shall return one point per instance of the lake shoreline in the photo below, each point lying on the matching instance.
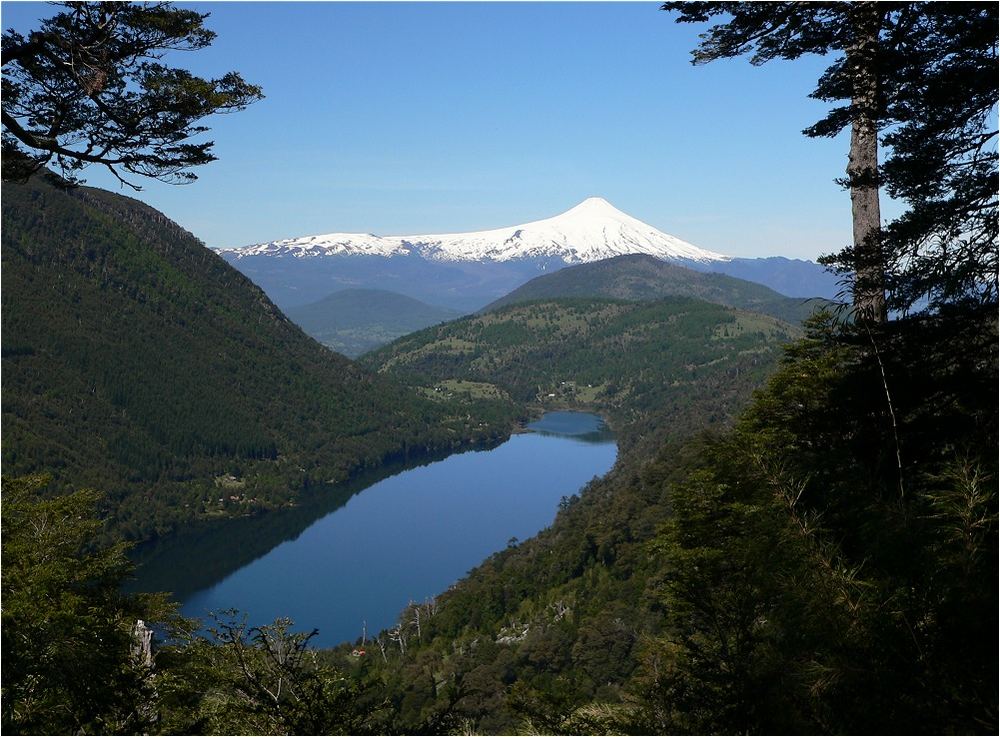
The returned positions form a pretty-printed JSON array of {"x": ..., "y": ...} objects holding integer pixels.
[{"x": 410, "y": 535}]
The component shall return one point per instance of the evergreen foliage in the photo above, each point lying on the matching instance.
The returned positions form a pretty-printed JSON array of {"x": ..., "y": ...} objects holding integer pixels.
[
  {"x": 355, "y": 321},
  {"x": 641, "y": 278},
  {"x": 943, "y": 160},
  {"x": 68, "y": 666},
  {"x": 238, "y": 679},
  {"x": 931, "y": 68},
  {"x": 830, "y": 565},
  {"x": 88, "y": 88},
  {"x": 137, "y": 361},
  {"x": 72, "y": 663}
]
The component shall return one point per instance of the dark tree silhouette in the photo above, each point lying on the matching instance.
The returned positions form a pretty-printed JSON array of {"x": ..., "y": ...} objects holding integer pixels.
[
  {"x": 923, "y": 76},
  {"x": 88, "y": 87},
  {"x": 942, "y": 159}
]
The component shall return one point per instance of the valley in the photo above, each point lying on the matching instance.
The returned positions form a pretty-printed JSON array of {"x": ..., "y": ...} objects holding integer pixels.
[
  {"x": 404, "y": 539},
  {"x": 662, "y": 351},
  {"x": 142, "y": 364},
  {"x": 575, "y": 475},
  {"x": 355, "y": 321},
  {"x": 456, "y": 573}
]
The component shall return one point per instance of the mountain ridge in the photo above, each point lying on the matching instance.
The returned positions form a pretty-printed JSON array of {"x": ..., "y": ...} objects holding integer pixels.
[
  {"x": 466, "y": 271},
  {"x": 137, "y": 361},
  {"x": 354, "y": 321},
  {"x": 590, "y": 231},
  {"x": 638, "y": 277}
]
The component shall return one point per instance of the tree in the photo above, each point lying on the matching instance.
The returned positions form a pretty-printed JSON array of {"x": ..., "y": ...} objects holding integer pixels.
[
  {"x": 802, "y": 590},
  {"x": 68, "y": 650},
  {"x": 259, "y": 680},
  {"x": 89, "y": 88},
  {"x": 937, "y": 99},
  {"x": 943, "y": 160},
  {"x": 861, "y": 66},
  {"x": 923, "y": 76}
]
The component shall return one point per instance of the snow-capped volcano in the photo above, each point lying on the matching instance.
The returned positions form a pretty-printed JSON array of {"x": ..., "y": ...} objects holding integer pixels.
[{"x": 592, "y": 231}]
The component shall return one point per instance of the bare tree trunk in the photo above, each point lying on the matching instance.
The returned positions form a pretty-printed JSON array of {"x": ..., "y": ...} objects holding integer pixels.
[
  {"x": 142, "y": 653},
  {"x": 396, "y": 634},
  {"x": 142, "y": 647},
  {"x": 416, "y": 619},
  {"x": 862, "y": 166}
]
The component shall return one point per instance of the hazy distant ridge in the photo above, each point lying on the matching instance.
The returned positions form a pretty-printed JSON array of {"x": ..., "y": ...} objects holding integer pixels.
[
  {"x": 465, "y": 271},
  {"x": 355, "y": 321}
]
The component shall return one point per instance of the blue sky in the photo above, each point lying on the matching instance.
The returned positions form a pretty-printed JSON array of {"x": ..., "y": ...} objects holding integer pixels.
[{"x": 406, "y": 118}]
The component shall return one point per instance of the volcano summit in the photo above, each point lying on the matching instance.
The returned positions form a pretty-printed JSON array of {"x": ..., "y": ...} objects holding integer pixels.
[
  {"x": 465, "y": 271},
  {"x": 592, "y": 231}
]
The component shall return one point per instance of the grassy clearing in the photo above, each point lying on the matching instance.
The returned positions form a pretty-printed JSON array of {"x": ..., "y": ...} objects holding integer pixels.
[{"x": 475, "y": 389}]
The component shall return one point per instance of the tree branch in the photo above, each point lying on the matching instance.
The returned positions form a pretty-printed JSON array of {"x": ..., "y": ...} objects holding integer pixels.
[{"x": 28, "y": 138}]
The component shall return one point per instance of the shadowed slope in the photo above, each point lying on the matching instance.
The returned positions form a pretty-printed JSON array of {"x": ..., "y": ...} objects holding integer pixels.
[{"x": 137, "y": 361}]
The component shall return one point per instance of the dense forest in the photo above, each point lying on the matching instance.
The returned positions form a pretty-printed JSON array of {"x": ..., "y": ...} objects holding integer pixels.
[
  {"x": 827, "y": 565},
  {"x": 137, "y": 361},
  {"x": 641, "y": 277},
  {"x": 816, "y": 556},
  {"x": 679, "y": 363}
]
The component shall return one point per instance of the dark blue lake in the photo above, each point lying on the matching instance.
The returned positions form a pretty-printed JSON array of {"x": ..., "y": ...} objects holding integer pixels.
[{"x": 404, "y": 538}]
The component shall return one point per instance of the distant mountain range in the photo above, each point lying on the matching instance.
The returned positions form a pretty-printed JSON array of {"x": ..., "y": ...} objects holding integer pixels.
[
  {"x": 644, "y": 278},
  {"x": 465, "y": 271},
  {"x": 354, "y": 321},
  {"x": 593, "y": 230},
  {"x": 791, "y": 277}
]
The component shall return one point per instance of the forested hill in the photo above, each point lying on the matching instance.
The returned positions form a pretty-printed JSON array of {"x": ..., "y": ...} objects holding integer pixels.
[
  {"x": 679, "y": 363},
  {"x": 354, "y": 321},
  {"x": 826, "y": 565},
  {"x": 137, "y": 361},
  {"x": 641, "y": 277}
]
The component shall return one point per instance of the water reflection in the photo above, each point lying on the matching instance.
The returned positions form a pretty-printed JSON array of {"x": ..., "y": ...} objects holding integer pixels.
[
  {"x": 407, "y": 537},
  {"x": 207, "y": 552},
  {"x": 580, "y": 426}
]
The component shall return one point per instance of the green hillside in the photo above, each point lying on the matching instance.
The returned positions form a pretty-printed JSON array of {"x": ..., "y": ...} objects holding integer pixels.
[
  {"x": 137, "y": 361},
  {"x": 760, "y": 579},
  {"x": 679, "y": 361},
  {"x": 545, "y": 628},
  {"x": 355, "y": 321},
  {"x": 641, "y": 277}
]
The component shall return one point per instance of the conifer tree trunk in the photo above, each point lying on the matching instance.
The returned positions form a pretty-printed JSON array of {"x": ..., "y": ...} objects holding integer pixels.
[{"x": 862, "y": 166}]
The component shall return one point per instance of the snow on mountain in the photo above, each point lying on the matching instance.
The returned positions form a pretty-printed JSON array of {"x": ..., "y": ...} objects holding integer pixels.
[
  {"x": 592, "y": 231},
  {"x": 331, "y": 244}
]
